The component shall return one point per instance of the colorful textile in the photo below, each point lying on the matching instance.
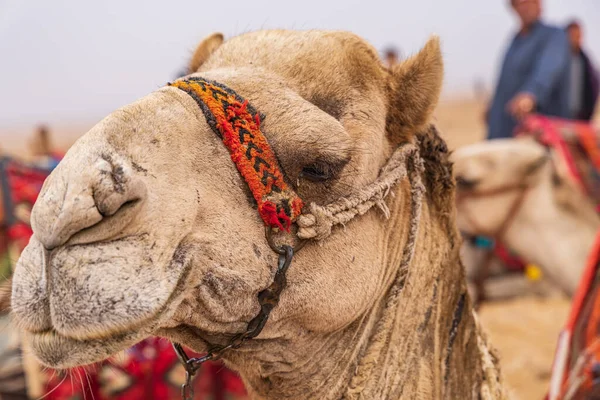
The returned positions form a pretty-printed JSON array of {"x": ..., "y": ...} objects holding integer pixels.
[
  {"x": 238, "y": 124},
  {"x": 576, "y": 142},
  {"x": 5, "y": 263},
  {"x": 19, "y": 187},
  {"x": 511, "y": 260},
  {"x": 149, "y": 371},
  {"x": 508, "y": 258},
  {"x": 483, "y": 242},
  {"x": 576, "y": 369}
]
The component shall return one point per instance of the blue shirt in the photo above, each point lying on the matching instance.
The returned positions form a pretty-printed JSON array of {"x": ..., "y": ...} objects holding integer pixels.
[{"x": 537, "y": 62}]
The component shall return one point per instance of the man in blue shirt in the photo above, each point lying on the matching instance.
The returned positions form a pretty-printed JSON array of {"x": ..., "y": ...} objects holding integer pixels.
[{"x": 534, "y": 75}]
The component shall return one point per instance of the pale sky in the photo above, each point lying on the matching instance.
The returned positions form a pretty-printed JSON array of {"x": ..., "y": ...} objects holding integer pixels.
[{"x": 66, "y": 61}]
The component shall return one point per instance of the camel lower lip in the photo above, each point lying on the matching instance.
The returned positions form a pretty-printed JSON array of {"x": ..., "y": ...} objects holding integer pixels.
[{"x": 57, "y": 351}]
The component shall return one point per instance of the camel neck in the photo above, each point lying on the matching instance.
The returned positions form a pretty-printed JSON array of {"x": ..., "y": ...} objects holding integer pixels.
[
  {"x": 555, "y": 230},
  {"x": 558, "y": 243},
  {"x": 339, "y": 361},
  {"x": 420, "y": 336}
]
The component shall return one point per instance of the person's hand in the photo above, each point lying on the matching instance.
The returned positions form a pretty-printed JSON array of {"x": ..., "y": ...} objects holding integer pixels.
[{"x": 521, "y": 105}]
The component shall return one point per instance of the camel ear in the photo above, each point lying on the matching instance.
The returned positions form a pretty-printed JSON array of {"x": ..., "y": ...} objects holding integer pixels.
[
  {"x": 415, "y": 85},
  {"x": 204, "y": 51}
]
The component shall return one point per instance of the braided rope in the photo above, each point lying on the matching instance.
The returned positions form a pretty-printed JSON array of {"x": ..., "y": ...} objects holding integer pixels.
[
  {"x": 318, "y": 221},
  {"x": 491, "y": 386}
]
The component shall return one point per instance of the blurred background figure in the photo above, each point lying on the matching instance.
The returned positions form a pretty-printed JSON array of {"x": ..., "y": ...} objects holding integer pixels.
[
  {"x": 534, "y": 74},
  {"x": 479, "y": 89},
  {"x": 584, "y": 78},
  {"x": 391, "y": 57},
  {"x": 42, "y": 151}
]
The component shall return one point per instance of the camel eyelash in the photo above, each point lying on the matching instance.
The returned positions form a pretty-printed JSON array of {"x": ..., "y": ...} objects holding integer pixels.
[
  {"x": 317, "y": 172},
  {"x": 321, "y": 171}
]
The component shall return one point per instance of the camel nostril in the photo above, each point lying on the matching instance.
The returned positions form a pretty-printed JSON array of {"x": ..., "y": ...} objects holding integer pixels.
[
  {"x": 74, "y": 209},
  {"x": 108, "y": 226},
  {"x": 118, "y": 196},
  {"x": 113, "y": 203},
  {"x": 116, "y": 187},
  {"x": 122, "y": 208}
]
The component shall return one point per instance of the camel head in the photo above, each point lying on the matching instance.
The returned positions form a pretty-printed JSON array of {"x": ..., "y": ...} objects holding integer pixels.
[
  {"x": 518, "y": 190},
  {"x": 147, "y": 228}
]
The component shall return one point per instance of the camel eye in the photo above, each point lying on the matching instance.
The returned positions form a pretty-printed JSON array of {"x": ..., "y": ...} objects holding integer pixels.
[
  {"x": 316, "y": 172},
  {"x": 466, "y": 184}
]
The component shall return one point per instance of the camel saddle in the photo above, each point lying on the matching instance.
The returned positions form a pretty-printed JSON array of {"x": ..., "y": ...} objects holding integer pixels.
[
  {"x": 576, "y": 367},
  {"x": 576, "y": 142}
]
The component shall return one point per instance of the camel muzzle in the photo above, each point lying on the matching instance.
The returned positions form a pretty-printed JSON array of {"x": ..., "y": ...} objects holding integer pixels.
[{"x": 91, "y": 270}]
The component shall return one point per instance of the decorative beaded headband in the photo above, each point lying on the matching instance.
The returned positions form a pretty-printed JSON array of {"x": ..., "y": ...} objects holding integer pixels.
[{"x": 237, "y": 123}]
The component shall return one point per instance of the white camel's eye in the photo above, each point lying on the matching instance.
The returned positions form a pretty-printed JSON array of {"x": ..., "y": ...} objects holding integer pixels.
[
  {"x": 463, "y": 183},
  {"x": 316, "y": 172}
]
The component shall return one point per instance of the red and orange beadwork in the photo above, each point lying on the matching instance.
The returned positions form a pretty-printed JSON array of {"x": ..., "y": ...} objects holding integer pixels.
[{"x": 238, "y": 124}]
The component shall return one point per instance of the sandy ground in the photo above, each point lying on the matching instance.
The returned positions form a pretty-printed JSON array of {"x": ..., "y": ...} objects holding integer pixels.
[
  {"x": 460, "y": 121},
  {"x": 523, "y": 330}
]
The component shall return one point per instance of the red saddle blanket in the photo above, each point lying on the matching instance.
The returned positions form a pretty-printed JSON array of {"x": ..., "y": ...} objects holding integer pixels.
[
  {"x": 19, "y": 188},
  {"x": 149, "y": 371}
]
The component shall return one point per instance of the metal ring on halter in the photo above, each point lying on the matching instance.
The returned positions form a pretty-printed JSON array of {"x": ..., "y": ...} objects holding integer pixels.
[{"x": 280, "y": 249}]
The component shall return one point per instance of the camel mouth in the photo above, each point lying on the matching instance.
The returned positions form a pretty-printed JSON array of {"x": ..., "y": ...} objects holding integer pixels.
[
  {"x": 59, "y": 345},
  {"x": 60, "y": 351}
]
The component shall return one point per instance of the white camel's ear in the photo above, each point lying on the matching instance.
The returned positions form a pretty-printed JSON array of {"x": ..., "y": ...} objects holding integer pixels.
[
  {"x": 204, "y": 50},
  {"x": 415, "y": 86}
]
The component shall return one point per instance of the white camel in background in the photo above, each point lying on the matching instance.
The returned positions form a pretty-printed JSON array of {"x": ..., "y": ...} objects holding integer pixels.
[{"x": 551, "y": 222}]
